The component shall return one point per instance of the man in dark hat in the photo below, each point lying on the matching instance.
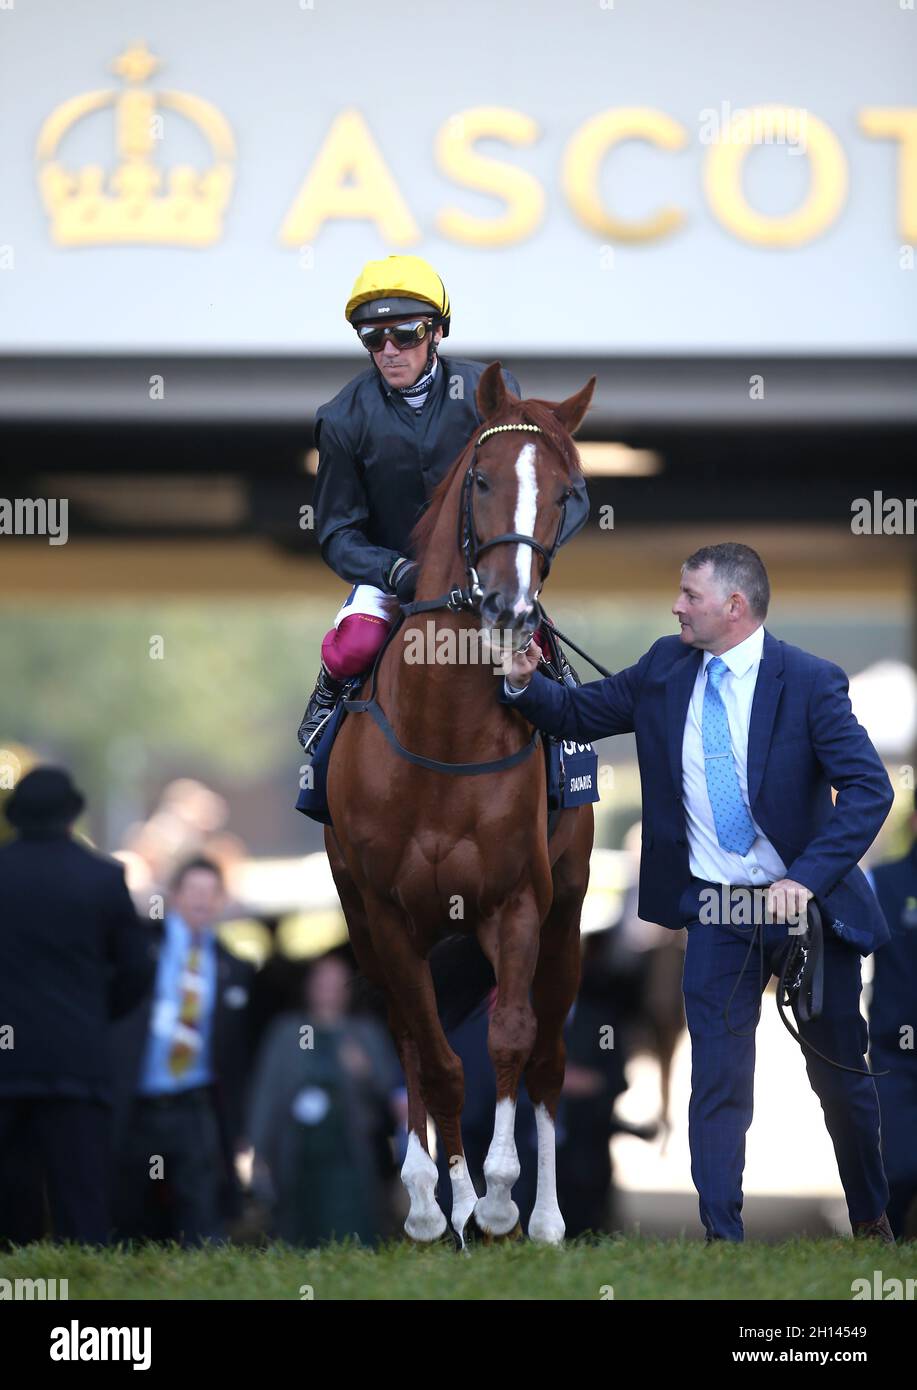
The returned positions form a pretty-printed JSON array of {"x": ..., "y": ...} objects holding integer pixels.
[{"x": 73, "y": 957}]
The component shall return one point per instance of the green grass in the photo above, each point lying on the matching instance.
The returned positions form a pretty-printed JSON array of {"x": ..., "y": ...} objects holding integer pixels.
[{"x": 634, "y": 1267}]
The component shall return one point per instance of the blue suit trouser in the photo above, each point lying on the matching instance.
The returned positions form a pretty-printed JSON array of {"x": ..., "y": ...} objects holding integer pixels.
[{"x": 723, "y": 1065}]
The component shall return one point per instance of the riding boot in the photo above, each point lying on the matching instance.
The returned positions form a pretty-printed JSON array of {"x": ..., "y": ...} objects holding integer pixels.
[{"x": 321, "y": 705}]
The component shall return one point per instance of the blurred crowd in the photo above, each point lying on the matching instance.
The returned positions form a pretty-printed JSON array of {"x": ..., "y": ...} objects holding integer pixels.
[{"x": 155, "y": 1086}]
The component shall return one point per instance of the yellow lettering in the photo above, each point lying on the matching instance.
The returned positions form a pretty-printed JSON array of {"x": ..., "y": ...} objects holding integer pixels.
[
  {"x": 349, "y": 152},
  {"x": 582, "y": 165},
  {"x": 827, "y": 176},
  {"x": 519, "y": 190},
  {"x": 899, "y": 123}
]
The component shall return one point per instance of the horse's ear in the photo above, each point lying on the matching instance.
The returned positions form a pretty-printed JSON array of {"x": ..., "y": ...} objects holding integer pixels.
[
  {"x": 491, "y": 395},
  {"x": 571, "y": 411}
]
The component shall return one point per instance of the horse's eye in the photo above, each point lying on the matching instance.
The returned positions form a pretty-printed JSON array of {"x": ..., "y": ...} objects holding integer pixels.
[
  {"x": 565, "y": 496},
  {"x": 481, "y": 481}
]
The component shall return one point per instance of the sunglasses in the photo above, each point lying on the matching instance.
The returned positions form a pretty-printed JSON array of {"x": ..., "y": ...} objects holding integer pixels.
[{"x": 403, "y": 335}]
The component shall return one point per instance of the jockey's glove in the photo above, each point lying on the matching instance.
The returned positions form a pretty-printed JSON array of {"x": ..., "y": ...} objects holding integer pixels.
[{"x": 402, "y": 578}]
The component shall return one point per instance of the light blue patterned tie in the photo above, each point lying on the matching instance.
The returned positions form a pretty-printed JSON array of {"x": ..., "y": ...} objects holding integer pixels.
[{"x": 734, "y": 828}]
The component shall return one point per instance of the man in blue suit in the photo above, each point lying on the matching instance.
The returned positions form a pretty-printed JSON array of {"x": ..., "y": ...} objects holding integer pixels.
[{"x": 740, "y": 739}]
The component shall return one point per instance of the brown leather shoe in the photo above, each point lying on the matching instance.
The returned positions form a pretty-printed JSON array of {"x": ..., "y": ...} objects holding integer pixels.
[{"x": 878, "y": 1229}]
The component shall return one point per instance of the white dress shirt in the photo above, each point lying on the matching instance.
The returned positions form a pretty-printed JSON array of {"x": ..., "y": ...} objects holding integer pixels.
[
  {"x": 762, "y": 864},
  {"x": 708, "y": 860}
]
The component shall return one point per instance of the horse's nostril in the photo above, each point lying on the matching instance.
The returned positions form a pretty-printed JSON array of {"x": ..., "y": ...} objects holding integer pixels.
[{"x": 493, "y": 608}]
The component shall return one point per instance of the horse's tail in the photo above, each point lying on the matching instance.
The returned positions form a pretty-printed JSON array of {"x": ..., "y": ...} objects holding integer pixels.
[{"x": 462, "y": 977}]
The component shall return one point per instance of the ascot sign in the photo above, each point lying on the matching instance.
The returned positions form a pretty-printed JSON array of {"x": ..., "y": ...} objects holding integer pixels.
[{"x": 350, "y": 179}]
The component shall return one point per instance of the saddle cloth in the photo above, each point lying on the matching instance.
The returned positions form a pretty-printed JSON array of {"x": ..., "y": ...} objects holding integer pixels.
[{"x": 313, "y": 780}]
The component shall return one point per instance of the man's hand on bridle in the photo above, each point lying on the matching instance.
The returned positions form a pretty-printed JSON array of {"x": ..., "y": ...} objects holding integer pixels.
[{"x": 524, "y": 662}]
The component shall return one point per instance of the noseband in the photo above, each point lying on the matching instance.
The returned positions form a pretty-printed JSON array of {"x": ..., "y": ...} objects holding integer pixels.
[{"x": 468, "y": 599}]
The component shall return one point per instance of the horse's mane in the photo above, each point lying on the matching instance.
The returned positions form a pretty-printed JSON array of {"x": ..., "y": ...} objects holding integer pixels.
[{"x": 530, "y": 412}]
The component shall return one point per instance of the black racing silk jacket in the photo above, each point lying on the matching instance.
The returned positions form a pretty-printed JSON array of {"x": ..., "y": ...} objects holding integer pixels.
[{"x": 379, "y": 462}]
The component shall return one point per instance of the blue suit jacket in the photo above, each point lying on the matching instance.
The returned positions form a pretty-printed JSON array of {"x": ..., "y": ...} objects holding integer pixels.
[{"x": 803, "y": 740}]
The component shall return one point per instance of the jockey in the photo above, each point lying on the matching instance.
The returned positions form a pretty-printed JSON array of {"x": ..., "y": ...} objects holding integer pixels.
[{"x": 384, "y": 442}]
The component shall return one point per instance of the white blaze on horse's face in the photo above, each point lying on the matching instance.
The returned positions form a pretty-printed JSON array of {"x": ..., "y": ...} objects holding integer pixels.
[{"x": 524, "y": 522}]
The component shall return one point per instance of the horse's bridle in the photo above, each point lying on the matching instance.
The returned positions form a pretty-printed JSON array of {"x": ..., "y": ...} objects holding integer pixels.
[
  {"x": 468, "y": 599},
  {"x": 458, "y": 600}
]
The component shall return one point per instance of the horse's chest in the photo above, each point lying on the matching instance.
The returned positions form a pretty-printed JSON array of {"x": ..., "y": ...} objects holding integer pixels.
[{"x": 456, "y": 875}]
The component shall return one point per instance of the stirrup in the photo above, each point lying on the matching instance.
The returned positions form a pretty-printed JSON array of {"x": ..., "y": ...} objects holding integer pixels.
[{"x": 309, "y": 737}]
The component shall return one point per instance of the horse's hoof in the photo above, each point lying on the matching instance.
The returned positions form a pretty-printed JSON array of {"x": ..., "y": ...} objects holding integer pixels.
[
  {"x": 426, "y": 1228},
  {"x": 545, "y": 1230},
  {"x": 445, "y": 1238},
  {"x": 488, "y": 1238}
]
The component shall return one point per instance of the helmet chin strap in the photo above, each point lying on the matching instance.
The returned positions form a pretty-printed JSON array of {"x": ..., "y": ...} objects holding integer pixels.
[
  {"x": 425, "y": 370},
  {"x": 431, "y": 351}
]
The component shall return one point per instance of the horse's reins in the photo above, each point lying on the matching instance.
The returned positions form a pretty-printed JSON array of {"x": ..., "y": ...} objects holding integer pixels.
[
  {"x": 568, "y": 643},
  {"x": 804, "y": 960}
]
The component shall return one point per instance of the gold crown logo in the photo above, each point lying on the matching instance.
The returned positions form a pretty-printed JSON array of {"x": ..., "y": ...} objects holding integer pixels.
[{"x": 133, "y": 206}]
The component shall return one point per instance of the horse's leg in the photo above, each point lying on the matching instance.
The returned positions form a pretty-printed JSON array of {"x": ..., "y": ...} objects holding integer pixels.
[
  {"x": 449, "y": 1125},
  {"x": 513, "y": 951},
  {"x": 666, "y": 1010},
  {"x": 425, "y": 1221},
  {"x": 665, "y": 1093},
  {"x": 440, "y": 1081},
  {"x": 554, "y": 989},
  {"x": 355, "y": 916}
]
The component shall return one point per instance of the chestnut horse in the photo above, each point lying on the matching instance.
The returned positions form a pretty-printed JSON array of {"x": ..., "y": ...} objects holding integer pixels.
[{"x": 417, "y": 852}]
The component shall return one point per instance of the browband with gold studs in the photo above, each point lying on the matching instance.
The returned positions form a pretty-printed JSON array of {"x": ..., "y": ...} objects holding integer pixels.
[{"x": 498, "y": 429}]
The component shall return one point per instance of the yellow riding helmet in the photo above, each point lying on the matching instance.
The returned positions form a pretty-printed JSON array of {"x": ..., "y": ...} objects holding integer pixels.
[{"x": 398, "y": 285}]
